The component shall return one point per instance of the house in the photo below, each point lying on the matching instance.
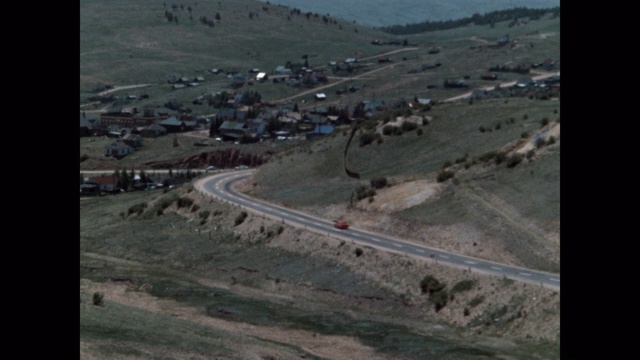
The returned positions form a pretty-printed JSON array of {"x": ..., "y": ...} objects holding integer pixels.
[
  {"x": 434, "y": 50},
  {"x": 233, "y": 130},
  {"x": 86, "y": 126},
  {"x": 173, "y": 124},
  {"x": 261, "y": 76},
  {"x": 320, "y": 96},
  {"x": 503, "y": 40},
  {"x": 257, "y": 126},
  {"x": 118, "y": 149},
  {"x": 153, "y": 131},
  {"x": 178, "y": 86},
  {"x": 107, "y": 183},
  {"x": 198, "y": 79},
  {"x": 132, "y": 140},
  {"x": 281, "y": 70}
]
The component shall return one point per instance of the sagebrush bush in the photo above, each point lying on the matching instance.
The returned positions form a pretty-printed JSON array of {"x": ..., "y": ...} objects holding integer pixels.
[
  {"x": 240, "y": 218},
  {"x": 98, "y": 299},
  {"x": 445, "y": 175},
  {"x": 514, "y": 160},
  {"x": 379, "y": 182}
]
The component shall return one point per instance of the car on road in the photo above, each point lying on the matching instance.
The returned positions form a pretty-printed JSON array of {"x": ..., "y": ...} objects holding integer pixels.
[
  {"x": 339, "y": 224},
  {"x": 211, "y": 168},
  {"x": 241, "y": 167}
]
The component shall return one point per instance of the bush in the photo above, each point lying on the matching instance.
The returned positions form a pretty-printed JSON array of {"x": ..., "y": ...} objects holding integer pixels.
[
  {"x": 137, "y": 209},
  {"x": 500, "y": 157},
  {"x": 391, "y": 130},
  {"x": 482, "y": 129},
  {"x": 204, "y": 215},
  {"x": 430, "y": 284},
  {"x": 409, "y": 126},
  {"x": 84, "y": 157},
  {"x": 464, "y": 285},
  {"x": 439, "y": 299},
  {"x": 544, "y": 122},
  {"x": 552, "y": 140},
  {"x": 419, "y": 132},
  {"x": 514, "y": 160},
  {"x": 524, "y": 135},
  {"x": 364, "y": 192},
  {"x": 366, "y": 139},
  {"x": 195, "y": 208},
  {"x": 240, "y": 218},
  {"x": 446, "y": 164},
  {"x": 476, "y": 301},
  {"x": 359, "y": 252},
  {"x": 540, "y": 142},
  {"x": 379, "y": 183},
  {"x": 98, "y": 299},
  {"x": 445, "y": 175},
  {"x": 184, "y": 202}
]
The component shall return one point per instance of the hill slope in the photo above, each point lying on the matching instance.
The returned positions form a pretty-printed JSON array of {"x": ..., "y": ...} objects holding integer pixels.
[{"x": 379, "y": 13}]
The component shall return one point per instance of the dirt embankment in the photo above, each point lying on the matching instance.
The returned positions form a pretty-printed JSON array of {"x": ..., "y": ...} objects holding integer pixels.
[{"x": 224, "y": 159}]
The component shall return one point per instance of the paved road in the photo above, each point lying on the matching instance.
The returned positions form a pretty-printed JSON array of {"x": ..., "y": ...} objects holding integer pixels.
[{"x": 221, "y": 187}]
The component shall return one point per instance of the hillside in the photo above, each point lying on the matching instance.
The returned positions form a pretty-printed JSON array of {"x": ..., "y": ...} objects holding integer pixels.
[
  {"x": 187, "y": 277},
  {"x": 379, "y": 13}
]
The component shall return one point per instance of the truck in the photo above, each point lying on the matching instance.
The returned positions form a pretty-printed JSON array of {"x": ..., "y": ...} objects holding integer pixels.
[{"x": 340, "y": 224}]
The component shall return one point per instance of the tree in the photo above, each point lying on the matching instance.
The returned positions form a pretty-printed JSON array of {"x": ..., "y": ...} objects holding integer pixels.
[{"x": 218, "y": 16}]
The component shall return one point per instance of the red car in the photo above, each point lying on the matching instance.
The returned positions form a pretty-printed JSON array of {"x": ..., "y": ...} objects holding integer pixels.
[{"x": 341, "y": 224}]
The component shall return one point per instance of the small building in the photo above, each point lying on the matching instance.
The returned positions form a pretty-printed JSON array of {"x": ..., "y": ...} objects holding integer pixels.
[
  {"x": 320, "y": 96},
  {"x": 261, "y": 76},
  {"x": 118, "y": 149},
  {"x": 489, "y": 76},
  {"x": 153, "y": 131}
]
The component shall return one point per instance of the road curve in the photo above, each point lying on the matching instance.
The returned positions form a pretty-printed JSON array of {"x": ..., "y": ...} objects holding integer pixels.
[{"x": 221, "y": 186}]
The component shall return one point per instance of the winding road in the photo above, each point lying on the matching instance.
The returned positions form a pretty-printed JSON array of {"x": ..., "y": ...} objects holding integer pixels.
[{"x": 221, "y": 186}]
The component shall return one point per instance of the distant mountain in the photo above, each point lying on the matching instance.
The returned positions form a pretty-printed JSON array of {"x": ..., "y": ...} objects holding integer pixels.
[{"x": 379, "y": 13}]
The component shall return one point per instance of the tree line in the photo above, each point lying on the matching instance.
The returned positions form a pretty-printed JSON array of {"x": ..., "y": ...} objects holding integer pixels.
[{"x": 476, "y": 19}]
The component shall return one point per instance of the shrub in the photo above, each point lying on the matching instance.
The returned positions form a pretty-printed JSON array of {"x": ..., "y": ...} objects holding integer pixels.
[
  {"x": 429, "y": 284},
  {"x": 184, "y": 202},
  {"x": 359, "y": 252},
  {"x": 540, "y": 142},
  {"x": 482, "y": 129},
  {"x": 466, "y": 312},
  {"x": 280, "y": 229},
  {"x": 98, "y": 299},
  {"x": 498, "y": 126},
  {"x": 530, "y": 153},
  {"x": 514, "y": 160},
  {"x": 366, "y": 139},
  {"x": 409, "y": 126},
  {"x": 500, "y": 157},
  {"x": 379, "y": 182},
  {"x": 364, "y": 192},
  {"x": 391, "y": 130},
  {"x": 195, "y": 207},
  {"x": 464, "y": 285},
  {"x": 524, "y": 135},
  {"x": 544, "y": 122},
  {"x": 419, "y": 132},
  {"x": 137, "y": 209},
  {"x": 204, "y": 215},
  {"x": 446, "y": 164},
  {"x": 445, "y": 175},
  {"x": 476, "y": 301},
  {"x": 84, "y": 157},
  {"x": 439, "y": 299},
  {"x": 240, "y": 218},
  {"x": 552, "y": 140}
]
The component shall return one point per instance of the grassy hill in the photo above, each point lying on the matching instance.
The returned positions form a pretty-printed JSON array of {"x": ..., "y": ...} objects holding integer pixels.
[
  {"x": 378, "y": 13},
  {"x": 181, "y": 279}
]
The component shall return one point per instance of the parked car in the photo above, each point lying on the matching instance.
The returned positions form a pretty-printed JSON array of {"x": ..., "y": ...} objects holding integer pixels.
[{"x": 211, "y": 168}]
